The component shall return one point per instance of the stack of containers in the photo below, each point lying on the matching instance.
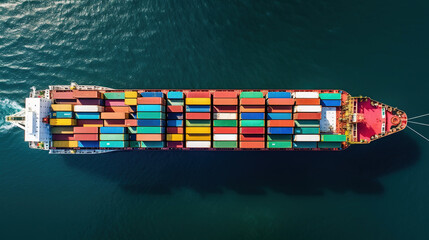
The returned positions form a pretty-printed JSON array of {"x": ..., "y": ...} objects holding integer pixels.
[
  {"x": 113, "y": 137},
  {"x": 329, "y": 101},
  {"x": 62, "y": 126},
  {"x": 63, "y": 97},
  {"x": 198, "y": 120},
  {"x": 175, "y": 115},
  {"x": 225, "y": 115},
  {"x": 131, "y": 123},
  {"x": 279, "y": 119},
  {"x": 252, "y": 120},
  {"x": 307, "y": 115},
  {"x": 151, "y": 118},
  {"x": 115, "y": 109}
]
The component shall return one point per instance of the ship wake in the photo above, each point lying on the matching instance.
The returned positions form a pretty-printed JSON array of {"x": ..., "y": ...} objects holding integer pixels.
[{"x": 7, "y": 107}]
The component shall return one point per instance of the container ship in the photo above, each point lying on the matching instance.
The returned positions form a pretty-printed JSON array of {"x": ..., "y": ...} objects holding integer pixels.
[{"x": 86, "y": 119}]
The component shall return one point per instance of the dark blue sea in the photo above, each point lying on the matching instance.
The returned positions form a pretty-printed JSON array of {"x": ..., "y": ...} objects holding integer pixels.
[{"x": 373, "y": 48}]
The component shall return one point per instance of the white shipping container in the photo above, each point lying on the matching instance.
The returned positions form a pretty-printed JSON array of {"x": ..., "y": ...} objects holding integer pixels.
[
  {"x": 198, "y": 144},
  {"x": 306, "y": 95},
  {"x": 308, "y": 108},
  {"x": 306, "y": 138},
  {"x": 88, "y": 108},
  {"x": 231, "y": 116},
  {"x": 225, "y": 137}
]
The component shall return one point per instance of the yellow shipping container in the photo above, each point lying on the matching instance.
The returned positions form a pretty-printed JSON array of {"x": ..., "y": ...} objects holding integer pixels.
[
  {"x": 130, "y": 94},
  {"x": 92, "y": 125},
  {"x": 64, "y": 144},
  {"x": 62, "y": 122},
  {"x": 198, "y": 137},
  {"x": 62, "y": 107},
  {"x": 62, "y": 130},
  {"x": 198, "y": 130},
  {"x": 131, "y": 101},
  {"x": 198, "y": 101},
  {"x": 175, "y": 137}
]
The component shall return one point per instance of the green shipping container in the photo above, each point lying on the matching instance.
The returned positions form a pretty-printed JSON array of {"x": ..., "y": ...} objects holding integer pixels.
[
  {"x": 134, "y": 144},
  {"x": 113, "y": 144},
  {"x": 224, "y": 144},
  {"x": 329, "y": 145},
  {"x": 333, "y": 138},
  {"x": 279, "y": 144},
  {"x": 251, "y": 95},
  {"x": 198, "y": 123},
  {"x": 279, "y": 137},
  {"x": 113, "y": 137},
  {"x": 307, "y": 123},
  {"x": 307, "y": 130},
  {"x": 150, "y": 129},
  {"x": 176, "y": 102},
  {"x": 330, "y": 96},
  {"x": 225, "y": 123},
  {"x": 252, "y": 123},
  {"x": 150, "y": 115},
  {"x": 114, "y": 95},
  {"x": 149, "y": 144},
  {"x": 132, "y": 130}
]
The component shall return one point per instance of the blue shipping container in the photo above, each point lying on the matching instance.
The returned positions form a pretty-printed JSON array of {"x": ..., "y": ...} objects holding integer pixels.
[
  {"x": 175, "y": 116},
  {"x": 197, "y": 108},
  {"x": 112, "y": 130},
  {"x": 255, "y": 116},
  {"x": 150, "y": 108},
  {"x": 62, "y": 115},
  {"x": 330, "y": 103},
  {"x": 278, "y": 95},
  {"x": 279, "y": 116},
  {"x": 280, "y": 130},
  {"x": 88, "y": 144},
  {"x": 175, "y": 95},
  {"x": 89, "y": 115},
  {"x": 152, "y": 94},
  {"x": 150, "y": 144},
  {"x": 150, "y": 123},
  {"x": 174, "y": 123},
  {"x": 305, "y": 144}
]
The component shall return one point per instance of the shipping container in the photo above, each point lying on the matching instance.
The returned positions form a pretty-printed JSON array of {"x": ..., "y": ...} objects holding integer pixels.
[
  {"x": 225, "y": 130},
  {"x": 175, "y": 95},
  {"x": 330, "y": 103},
  {"x": 230, "y": 109},
  {"x": 225, "y": 123},
  {"x": 150, "y": 129},
  {"x": 330, "y": 96},
  {"x": 114, "y": 123},
  {"x": 198, "y": 101},
  {"x": 65, "y": 101},
  {"x": 198, "y": 137},
  {"x": 114, "y": 95},
  {"x": 88, "y": 108},
  {"x": 85, "y": 130},
  {"x": 119, "y": 109},
  {"x": 279, "y": 137},
  {"x": 175, "y": 130},
  {"x": 130, "y": 94},
  {"x": 198, "y": 144},
  {"x": 307, "y": 123},
  {"x": 333, "y": 138},
  {"x": 64, "y": 144},
  {"x": 225, "y": 101},
  {"x": 114, "y": 103},
  {"x": 251, "y": 95},
  {"x": 114, "y": 144},
  {"x": 197, "y": 108},
  {"x": 329, "y": 144},
  {"x": 130, "y": 101},
  {"x": 280, "y": 130},
  {"x": 228, "y": 116},
  {"x": 89, "y": 101},
  {"x": 62, "y": 107},
  {"x": 61, "y": 130},
  {"x": 118, "y": 130},
  {"x": 150, "y": 137},
  {"x": 150, "y": 115},
  {"x": 306, "y": 95},
  {"x": 90, "y": 123},
  {"x": 88, "y": 144},
  {"x": 307, "y": 101},
  {"x": 260, "y": 144},
  {"x": 152, "y": 144},
  {"x": 279, "y": 116},
  {"x": 113, "y": 137},
  {"x": 252, "y": 101},
  {"x": 252, "y": 116},
  {"x": 200, "y": 123},
  {"x": 225, "y": 94},
  {"x": 174, "y": 123},
  {"x": 252, "y": 109},
  {"x": 176, "y": 102},
  {"x": 152, "y": 94},
  {"x": 202, "y": 116},
  {"x": 252, "y": 130},
  {"x": 62, "y": 114},
  {"x": 307, "y": 130},
  {"x": 306, "y": 138},
  {"x": 175, "y": 144},
  {"x": 176, "y": 109},
  {"x": 152, "y": 122},
  {"x": 63, "y": 137},
  {"x": 280, "y": 123},
  {"x": 252, "y": 137},
  {"x": 304, "y": 144},
  {"x": 62, "y": 122},
  {"x": 279, "y": 95},
  {"x": 86, "y": 136},
  {"x": 113, "y": 115},
  {"x": 225, "y": 137},
  {"x": 198, "y": 95},
  {"x": 308, "y": 108},
  {"x": 279, "y": 144},
  {"x": 225, "y": 144},
  {"x": 151, "y": 100},
  {"x": 151, "y": 108},
  {"x": 174, "y": 137},
  {"x": 198, "y": 130},
  {"x": 86, "y": 94},
  {"x": 281, "y": 101},
  {"x": 58, "y": 94},
  {"x": 175, "y": 116},
  {"x": 307, "y": 116},
  {"x": 279, "y": 109}
]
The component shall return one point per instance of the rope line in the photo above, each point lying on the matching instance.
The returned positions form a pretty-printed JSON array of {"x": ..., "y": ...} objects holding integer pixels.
[
  {"x": 425, "y": 138},
  {"x": 424, "y": 124},
  {"x": 418, "y": 116}
]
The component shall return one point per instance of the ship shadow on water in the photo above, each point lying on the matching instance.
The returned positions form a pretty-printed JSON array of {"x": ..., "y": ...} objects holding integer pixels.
[{"x": 358, "y": 169}]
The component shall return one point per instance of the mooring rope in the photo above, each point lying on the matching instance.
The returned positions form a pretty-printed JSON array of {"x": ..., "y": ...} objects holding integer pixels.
[
  {"x": 418, "y": 116},
  {"x": 424, "y": 124},
  {"x": 425, "y": 138}
]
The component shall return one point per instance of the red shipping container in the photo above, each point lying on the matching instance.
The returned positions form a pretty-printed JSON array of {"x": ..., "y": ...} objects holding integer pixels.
[
  {"x": 252, "y": 101},
  {"x": 252, "y": 108},
  {"x": 118, "y": 109},
  {"x": 65, "y": 101},
  {"x": 225, "y": 94},
  {"x": 89, "y": 101},
  {"x": 151, "y": 100},
  {"x": 307, "y": 116},
  {"x": 307, "y": 101},
  {"x": 281, "y": 123},
  {"x": 59, "y": 94},
  {"x": 198, "y": 116},
  {"x": 226, "y": 109},
  {"x": 86, "y": 94},
  {"x": 175, "y": 144},
  {"x": 150, "y": 137},
  {"x": 252, "y": 137},
  {"x": 281, "y": 101},
  {"x": 115, "y": 123},
  {"x": 86, "y": 137},
  {"x": 260, "y": 144},
  {"x": 90, "y": 122},
  {"x": 174, "y": 129},
  {"x": 225, "y": 130},
  {"x": 131, "y": 122},
  {"x": 175, "y": 109},
  {"x": 62, "y": 137},
  {"x": 113, "y": 115},
  {"x": 198, "y": 94},
  {"x": 252, "y": 130},
  {"x": 85, "y": 130},
  {"x": 225, "y": 101},
  {"x": 279, "y": 109}
]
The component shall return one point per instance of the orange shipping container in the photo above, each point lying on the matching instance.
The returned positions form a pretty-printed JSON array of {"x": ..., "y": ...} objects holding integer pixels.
[
  {"x": 85, "y": 130},
  {"x": 307, "y": 101},
  {"x": 281, "y": 101},
  {"x": 221, "y": 94},
  {"x": 58, "y": 94},
  {"x": 151, "y": 100},
  {"x": 197, "y": 115},
  {"x": 252, "y": 101},
  {"x": 86, "y": 137},
  {"x": 279, "y": 109},
  {"x": 307, "y": 116},
  {"x": 252, "y": 108},
  {"x": 115, "y": 123},
  {"x": 171, "y": 108},
  {"x": 281, "y": 123},
  {"x": 86, "y": 94},
  {"x": 150, "y": 137},
  {"x": 259, "y": 144},
  {"x": 113, "y": 115},
  {"x": 131, "y": 122},
  {"x": 225, "y": 101},
  {"x": 118, "y": 109}
]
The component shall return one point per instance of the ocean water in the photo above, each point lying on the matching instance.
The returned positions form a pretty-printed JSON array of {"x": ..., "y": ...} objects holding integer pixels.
[{"x": 374, "y": 48}]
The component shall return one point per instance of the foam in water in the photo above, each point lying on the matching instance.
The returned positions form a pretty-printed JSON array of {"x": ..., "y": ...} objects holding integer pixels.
[{"x": 7, "y": 107}]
